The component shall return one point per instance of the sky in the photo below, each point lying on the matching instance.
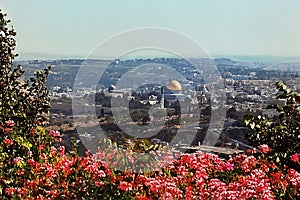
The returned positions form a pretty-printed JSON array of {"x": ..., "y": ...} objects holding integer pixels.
[{"x": 68, "y": 28}]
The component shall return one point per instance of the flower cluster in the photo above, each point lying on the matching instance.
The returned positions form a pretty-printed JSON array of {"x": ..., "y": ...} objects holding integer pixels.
[{"x": 57, "y": 175}]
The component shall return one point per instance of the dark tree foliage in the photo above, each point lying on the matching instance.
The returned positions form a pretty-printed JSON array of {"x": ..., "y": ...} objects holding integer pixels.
[
  {"x": 282, "y": 133},
  {"x": 25, "y": 102}
]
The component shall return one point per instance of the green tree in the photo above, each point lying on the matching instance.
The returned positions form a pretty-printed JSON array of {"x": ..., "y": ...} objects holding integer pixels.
[
  {"x": 282, "y": 133},
  {"x": 24, "y": 107}
]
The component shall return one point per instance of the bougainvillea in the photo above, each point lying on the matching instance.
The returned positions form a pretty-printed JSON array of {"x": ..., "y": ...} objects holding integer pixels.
[{"x": 57, "y": 175}]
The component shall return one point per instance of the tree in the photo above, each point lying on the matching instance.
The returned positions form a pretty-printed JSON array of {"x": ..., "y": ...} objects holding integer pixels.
[
  {"x": 177, "y": 107},
  {"x": 24, "y": 107},
  {"x": 281, "y": 134},
  {"x": 232, "y": 113},
  {"x": 145, "y": 118},
  {"x": 102, "y": 112}
]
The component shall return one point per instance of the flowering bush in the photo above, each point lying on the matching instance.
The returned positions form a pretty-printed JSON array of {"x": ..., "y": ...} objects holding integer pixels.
[{"x": 56, "y": 175}]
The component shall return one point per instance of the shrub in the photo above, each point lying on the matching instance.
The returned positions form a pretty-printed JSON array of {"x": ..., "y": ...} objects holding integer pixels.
[
  {"x": 191, "y": 176},
  {"x": 282, "y": 133}
]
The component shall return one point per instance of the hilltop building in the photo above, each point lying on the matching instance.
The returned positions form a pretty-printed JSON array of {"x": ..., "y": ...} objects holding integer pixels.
[{"x": 172, "y": 92}]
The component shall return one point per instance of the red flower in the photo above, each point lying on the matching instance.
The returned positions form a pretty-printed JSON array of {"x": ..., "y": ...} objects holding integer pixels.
[
  {"x": 32, "y": 131},
  {"x": 276, "y": 177},
  {"x": 21, "y": 172},
  {"x": 42, "y": 147},
  {"x": 7, "y": 130},
  {"x": 251, "y": 151},
  {"x": 99, "y": 183},
  {"x": 43, "y": 156},
  {"x": 142, "y": 197},
  {"x": 295, "y": 157},
  {"x": 8, "y": 142},
  {"x": 125, "y": 186},
  {"x": 264, "y": 148},
  {"x": 31, "y": 162},
  {"x": 10, "y": 191}
]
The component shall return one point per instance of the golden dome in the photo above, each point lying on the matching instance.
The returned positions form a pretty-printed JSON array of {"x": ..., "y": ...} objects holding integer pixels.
[{"x": 174, "y": 86}]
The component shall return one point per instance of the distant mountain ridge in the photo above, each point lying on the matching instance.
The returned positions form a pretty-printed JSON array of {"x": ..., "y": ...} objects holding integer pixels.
[
  {"x": 244, "y": 58},
  {"x": 261, "y": 61},
  {"x": 262, "y": 58},
  {"x": 43, "y": 56}
]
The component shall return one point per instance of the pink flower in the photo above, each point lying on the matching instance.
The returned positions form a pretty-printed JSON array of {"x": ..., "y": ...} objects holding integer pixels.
[
  {"x": 10, "y": 123},
  {"x": 295, "y": 157},
  {"x": 62, "y": 150},
  {"x": 17, "y": 160},
  {"x": 29, "y": 153},
  {"x": 228, "y": 166},
  {"x": 53, "y": 150},
  {"x": 54, "y": 133},
  {"x": 264, "y": 148}
]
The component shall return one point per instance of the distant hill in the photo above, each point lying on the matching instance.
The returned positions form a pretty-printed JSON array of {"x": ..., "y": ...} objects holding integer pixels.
[
  {"x": 262, "y": 58},
  {"x": 243, "y": 58},
  {"x": 42, "y": 56}
]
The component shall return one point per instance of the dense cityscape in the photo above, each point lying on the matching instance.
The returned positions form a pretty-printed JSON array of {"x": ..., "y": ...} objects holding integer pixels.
[{"x": 249, "y": 87}]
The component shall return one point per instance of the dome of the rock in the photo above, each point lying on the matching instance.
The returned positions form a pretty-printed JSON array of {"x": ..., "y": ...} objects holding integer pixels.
[{"x": 174, "y": 86}]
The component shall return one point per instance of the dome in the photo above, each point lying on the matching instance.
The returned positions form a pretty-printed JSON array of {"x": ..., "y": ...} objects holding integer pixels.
[
  {"x": 174, "y": 86},
  {"x": 111, "y": 88}
]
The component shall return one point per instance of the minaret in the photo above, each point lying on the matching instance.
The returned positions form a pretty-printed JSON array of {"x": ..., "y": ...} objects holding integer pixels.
[{"x": 162, "y": 99}]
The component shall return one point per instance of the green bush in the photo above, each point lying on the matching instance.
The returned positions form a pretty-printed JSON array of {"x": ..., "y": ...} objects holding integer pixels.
[{"x": 281, "y": 133}]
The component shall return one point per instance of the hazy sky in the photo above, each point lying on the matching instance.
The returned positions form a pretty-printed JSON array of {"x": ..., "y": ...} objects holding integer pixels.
[{"x": 224, "y": 27}]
